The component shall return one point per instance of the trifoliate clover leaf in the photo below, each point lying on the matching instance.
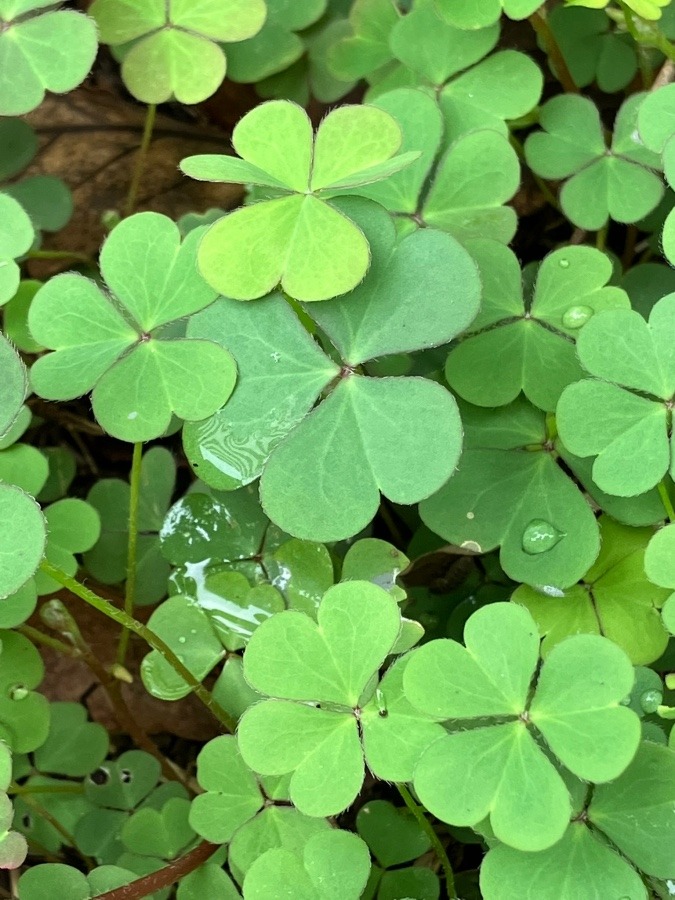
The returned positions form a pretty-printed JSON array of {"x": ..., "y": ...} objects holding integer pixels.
[
  {"x": 175, "y": 45},
  {"x": 46, "y": 199},
  {"x": 16, "y": 238},
  {"x": 510, "y": 492},
  {"x": 591, "y": 48},
  {"x": 515, "y": 348},
  {"x": 41, "y": 50},
  {"x": 300, "y": 240},
  {"x": 24, "y": 713},
  {"x": 332, "y": 864},
  {"x": 22, "y": 538},
  {"x": 114, "y": 344},
  {"x": 614, "y": 599},
  {"x": 107, "y": 560},
  {"x": 422, "y": 290},
  {"x": 483, "y": 12},
  {"x": 499, "y": 769},
  {"x": 646, "y": 9},
  {"x": 603, "y": 416},
  {"x": 333, "y": 667},
  {"x": 601, "y": 182},
  {"x": 276, "y": 45},
  {"x": 473, "y": 93}
]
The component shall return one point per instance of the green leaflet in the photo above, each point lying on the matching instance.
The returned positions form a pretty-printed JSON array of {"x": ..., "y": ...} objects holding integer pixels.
[
  {"x": 74, "y": 746},
  {"x": 24, "y": 713},
  {"x": 614, "y": 599},
  {"x": 115, "y": 346},
  {"x": 365, "y": 46},
  {"x": 23, "y": 531},
  {"x": 27, "y": 69},
  {"x": 484, "y": 12},
  {"x": 583, "y": 681},
  {"x": 602, "y": 183},
  {"x": 301, "y": 241},
  {"x": 531, "y": 349},
  {"x": 602, "y": 417},
  {"x": 73, "y": 526},
  {"x": 172, "y": 49},
  {"x": 509, "y": 491},
  {"x": 13, "y": 386},
  {"x": 16, "y": 238}
]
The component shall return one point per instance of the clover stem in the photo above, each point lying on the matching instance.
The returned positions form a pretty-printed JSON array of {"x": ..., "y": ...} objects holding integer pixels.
[
  {"x": 21, "y": 789},
  {"x": 132, "y": 545},
  {"x": 140, "y": 159},
  {"x": 61, "y": 254},
  {"x": 164, "y": 877},
  {"x": 428, "y": 829},
  {"x": 559, "y": 67},
  {"x": 153, "y": 640},
  {"x": 601, "y": 237},
  {"x": 667, "y": 502},
  {"x": 31, "y": 803}
]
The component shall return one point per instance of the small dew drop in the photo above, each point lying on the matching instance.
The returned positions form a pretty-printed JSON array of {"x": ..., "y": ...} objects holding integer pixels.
[
  {"x": 181, "y": 639},
  {"x": 132, "y": 415},
  {"x": 576, "y": 316},
  {"x": 564, "y": 263},
  {"x": 193, "y": 631},
  {"x": 540, "y": 536},
  {"x": 550, "y": 590},
  {"x": 275, "y": 356},
  {"x": 19, "y": 692},
  {"x": 471, "y": 515},
  {"x": 472, "y": 545},
  {"x": 651, "y": 700}
]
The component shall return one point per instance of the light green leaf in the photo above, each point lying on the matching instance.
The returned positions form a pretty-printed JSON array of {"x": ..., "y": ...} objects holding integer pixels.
[
  {"x": 13, "y": 386},
  {"x": 365, "y": 45},
  {"x": 578, "y": 864},
  {"x": 52, "y": 51},
  {"x": 489, "y": 677},
  {"x": 392, "y": 833},
  {"x": 24, "y": 713},
  {"x": 74, "y": 746},
  {"x": 22, "y": 538},
  {"x": 357, "y": 626},
  {"x": 577, "y": 707}
]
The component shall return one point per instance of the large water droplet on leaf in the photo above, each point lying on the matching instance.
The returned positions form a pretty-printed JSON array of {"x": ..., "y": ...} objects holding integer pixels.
[
  {"x": 651, "y": 700},
  {"x": 19, "y": 692},
  {"x": 576, "y": 316},
  {"x": 540, "y": 536}
]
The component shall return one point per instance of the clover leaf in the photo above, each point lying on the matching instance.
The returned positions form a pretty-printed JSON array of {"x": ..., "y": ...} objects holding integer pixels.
[
  {"x": 592, "y": 50},
  {"x": 276, "y": 45},
  {"x": 73, "y": 527},
  {"x": 365, "y": 46},
  {"x": 600, "y": 183},
  {"x": 333, "y": 666},
  {"x": 530, "y": 349},
  {"x": 13, "y": 386},
  {"x": 499, "y": 769},
  {"x": 21, "y": 464},
  {"x": 24, "y": 713},
  {"x": 107, "y": 560},
  {"x": 46, "y": 199},
  {"x": 161, "y": 833},
  {"x": 603, "y": 416},
  {"x": 484, "y": 12},
  {"x": 41, "y": 50},
  {"x": 420, "y": 292},
  {"x": 16, "y": 238},
  {"x": 42, "y": 879},
  {"x": 614, "y": 599},
  {"x": 74, "y": 746},
  {"x": 473, "y": 93},
  {"x": 509, "y": 491},
  {"x": 115, "y": 344},
  {"x": 175, "y": 49},
  {"x": 22, "y": 538},
  {"x": 300, "y": 239},
  {"x": 333, "y": 864}
]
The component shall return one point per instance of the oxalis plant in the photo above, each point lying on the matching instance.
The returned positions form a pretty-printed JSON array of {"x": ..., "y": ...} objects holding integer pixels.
[{"x": 372, "y": 466}]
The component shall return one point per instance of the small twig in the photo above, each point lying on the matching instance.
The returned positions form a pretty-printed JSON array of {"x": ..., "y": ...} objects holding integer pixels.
[
  {"x": 664, "y": 76},
  {"x": 164, "y": 877}
]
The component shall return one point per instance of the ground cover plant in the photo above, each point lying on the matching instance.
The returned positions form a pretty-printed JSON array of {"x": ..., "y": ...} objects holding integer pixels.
[{"x": 337, "y": 515}]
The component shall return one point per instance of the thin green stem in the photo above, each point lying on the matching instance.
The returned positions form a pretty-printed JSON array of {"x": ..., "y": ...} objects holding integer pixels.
[
  {"x": 153, "y": 640},
  {"x": 139, "y": 166},
  {"x": 31, "y": 803},
  {"x": 37, "y": 637},
  {"x": 667, "y": 502},
  {"x": 16, "y": 789},
  {"x": 559, "y": 67},
  {"x": 132, "y": 545},
  {"x": 601, "y": 237},
  {"x": 428, "y": 829}
]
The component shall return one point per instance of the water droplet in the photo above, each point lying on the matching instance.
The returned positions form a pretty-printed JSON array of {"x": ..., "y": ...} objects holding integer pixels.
[
  {"x": 275, "y": 356},
  {"x": 564, "y": 263},
  {"x": 132, "y": 415},
  {"x": 181, "y": 639},
  {"x": 651, "y": 700},
  {"x": 471, "y": 515},
  {"x": 550, "y": 590},
  {"x": 19, "y": 692},
  {"x": 576, "y": 316},
  {"x": 193, "y": 631},
  {"x": 540, "y": 536},
  {"x": 472, "y": 545}
]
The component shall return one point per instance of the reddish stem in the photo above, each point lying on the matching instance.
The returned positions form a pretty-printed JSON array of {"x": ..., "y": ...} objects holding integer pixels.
[{"x": 165, "y": 877}]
